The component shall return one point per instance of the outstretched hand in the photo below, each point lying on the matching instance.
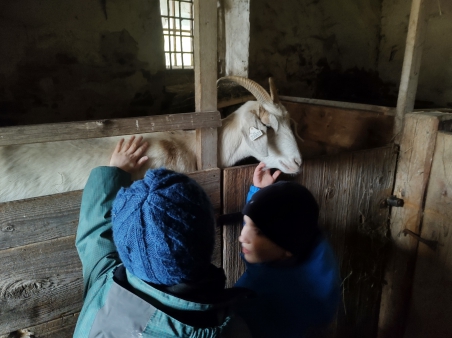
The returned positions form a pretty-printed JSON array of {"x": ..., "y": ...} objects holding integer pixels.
[
  {"x": 262, "y": 177},
  {"x": 128, "y": 156}
]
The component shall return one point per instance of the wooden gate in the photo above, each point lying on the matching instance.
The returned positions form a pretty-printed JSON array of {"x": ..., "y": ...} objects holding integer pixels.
[{"x": 351, "y": 189}]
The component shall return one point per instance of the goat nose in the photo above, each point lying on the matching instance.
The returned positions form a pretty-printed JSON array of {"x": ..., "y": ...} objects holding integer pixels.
[{"x": 297, "y": 161}]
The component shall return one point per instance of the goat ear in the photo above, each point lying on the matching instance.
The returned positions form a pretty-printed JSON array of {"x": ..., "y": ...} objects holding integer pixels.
[
  {"x": 268, "y": 119},
  {"x": 258, "y": 143}
]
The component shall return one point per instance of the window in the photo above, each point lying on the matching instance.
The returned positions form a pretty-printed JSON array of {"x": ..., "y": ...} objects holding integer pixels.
[{"x": 177, "y": 20}]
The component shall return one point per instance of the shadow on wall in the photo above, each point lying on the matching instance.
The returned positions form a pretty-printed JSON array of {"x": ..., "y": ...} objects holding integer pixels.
[{"x": 353, "y": 85}]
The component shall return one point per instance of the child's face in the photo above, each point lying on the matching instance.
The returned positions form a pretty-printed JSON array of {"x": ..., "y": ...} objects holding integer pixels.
[{"x": 256, "y": 247}]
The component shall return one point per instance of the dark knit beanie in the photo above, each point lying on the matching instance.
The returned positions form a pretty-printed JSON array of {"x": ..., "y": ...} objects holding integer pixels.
[
  {"x": 164, "y": 228},
  {"x": 287, "y": 213}
]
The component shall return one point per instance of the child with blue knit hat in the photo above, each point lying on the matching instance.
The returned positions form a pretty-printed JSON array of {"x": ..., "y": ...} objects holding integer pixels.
[
  {"x": 289, "y": 263},
  {"x": 145, "y": 249}
]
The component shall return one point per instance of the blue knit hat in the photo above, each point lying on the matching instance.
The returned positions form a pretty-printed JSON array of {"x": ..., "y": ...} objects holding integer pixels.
[{"x": 164, "y": 228}]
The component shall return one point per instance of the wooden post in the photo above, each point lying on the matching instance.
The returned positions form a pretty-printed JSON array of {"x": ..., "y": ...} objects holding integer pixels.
[
  {"x": 411, "y": 64},
  {"x": 431, "y": 305},
  {"x": 205, "y": 34},
  {"x": 415, "y": 158}
]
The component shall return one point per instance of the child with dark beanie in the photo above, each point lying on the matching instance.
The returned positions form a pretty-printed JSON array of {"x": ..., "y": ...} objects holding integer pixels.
[
  {"x": 145, "y": 249},
  {"x": 289, "y": 263}
]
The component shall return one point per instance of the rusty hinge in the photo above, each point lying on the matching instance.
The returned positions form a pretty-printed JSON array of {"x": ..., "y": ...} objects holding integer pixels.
[{"x": 431, "y": 244}]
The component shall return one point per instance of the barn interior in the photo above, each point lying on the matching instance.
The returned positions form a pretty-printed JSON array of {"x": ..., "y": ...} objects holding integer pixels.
[{"x": 369, "y": 84}]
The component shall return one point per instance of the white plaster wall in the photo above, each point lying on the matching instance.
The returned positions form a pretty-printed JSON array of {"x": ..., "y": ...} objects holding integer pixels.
[{"x": 237, "y": 36}]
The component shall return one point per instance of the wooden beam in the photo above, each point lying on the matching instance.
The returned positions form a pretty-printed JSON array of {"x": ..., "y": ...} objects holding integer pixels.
[
  {"x": 411, "y": 64},
  {"x": 415, "y": 157},
  {"x": 338, "y": 104},
  {"x": 103, "y": 128},
  {"x": 205, "y": 31}
]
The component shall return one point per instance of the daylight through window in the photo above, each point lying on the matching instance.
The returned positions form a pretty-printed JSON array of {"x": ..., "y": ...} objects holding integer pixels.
[{"x": 177, "y": 20}]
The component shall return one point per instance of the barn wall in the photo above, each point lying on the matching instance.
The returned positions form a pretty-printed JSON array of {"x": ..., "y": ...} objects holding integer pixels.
[
  {"x": 322, "y": 49},
  {"x": 349, "y": 50},
  {"x": 435, "y": 78},
  {"x": 78, "y": 60}
]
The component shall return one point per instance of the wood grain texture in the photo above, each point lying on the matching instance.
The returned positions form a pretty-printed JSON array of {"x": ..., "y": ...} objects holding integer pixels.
[
  {"x": 206, "y": 148},
  {"x": 104, "y": 128},
  {"x": 413, "y": 170},
  {"x": 39, "y": 219},
  {"x": 236, "y": 183},
  {"x": 431, "y": 304},
  {"x": 331, "y": 130},
  {"x": 205, "y": 43},
  {"x": 40, "y": 282},
  {"x": 62, "y": 327},
  {"x": 350, "y": 189}
]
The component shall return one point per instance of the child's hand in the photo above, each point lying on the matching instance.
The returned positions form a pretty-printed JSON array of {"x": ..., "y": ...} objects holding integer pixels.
[
  {"x": 128, "y": 156},
  {"x": 262, "y": 177}
]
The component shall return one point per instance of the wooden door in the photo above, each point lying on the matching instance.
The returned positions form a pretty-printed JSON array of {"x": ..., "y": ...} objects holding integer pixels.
[{"x": 351, "y": 189}]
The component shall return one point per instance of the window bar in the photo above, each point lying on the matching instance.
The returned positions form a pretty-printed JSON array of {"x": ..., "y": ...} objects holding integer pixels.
[
  {"x": 169, "y": 36},
  {"x": 174, "y": 35},
  {"x": 180, "y": 35}
]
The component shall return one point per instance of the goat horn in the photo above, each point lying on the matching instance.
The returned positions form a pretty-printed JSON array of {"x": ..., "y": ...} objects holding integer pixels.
[
  {"x": 273, "y": 90},
  {"x": 253, "y": 87}
]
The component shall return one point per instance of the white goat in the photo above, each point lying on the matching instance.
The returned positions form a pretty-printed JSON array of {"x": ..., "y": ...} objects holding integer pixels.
[{"x": 261, "y": 129}]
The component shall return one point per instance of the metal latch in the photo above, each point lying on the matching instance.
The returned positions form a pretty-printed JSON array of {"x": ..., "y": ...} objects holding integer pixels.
[
  {"x": 431, "y": 244},
  {"x": 394, "y": 201}
]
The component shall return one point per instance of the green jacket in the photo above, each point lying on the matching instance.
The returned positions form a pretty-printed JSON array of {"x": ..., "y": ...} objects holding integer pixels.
[{"x": 118, "y": 304}]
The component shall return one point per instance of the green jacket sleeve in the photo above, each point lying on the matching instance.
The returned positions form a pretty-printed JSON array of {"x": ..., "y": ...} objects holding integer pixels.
[{"x": 94, "y": 239}]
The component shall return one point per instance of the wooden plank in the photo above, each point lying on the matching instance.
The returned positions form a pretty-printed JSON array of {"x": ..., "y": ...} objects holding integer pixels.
[
  {"x": 411, "y": 64},
  {"x": 39, "y": 219},
  {"x": 40, "y": 282},
  {"x": 416, "y": 152},
  {"x": 338, "y": 104},
  {"x": 236, "y": 183},
  {"x": 205, "y": 41},
  {"x": 103, "y": 128},
  {"x": 431, "y": 305},
  {"x": 329, "y": 130},
  {"x": 350, "y": 188},
  {"x": 206, "y": 148},
  {"x": 62, "y": 327}
]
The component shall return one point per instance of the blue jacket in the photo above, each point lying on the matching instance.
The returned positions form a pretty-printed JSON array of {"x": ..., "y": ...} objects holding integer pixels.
[
  {"x": 291, "y": 299},
  {"x": 118, "y": 304}
]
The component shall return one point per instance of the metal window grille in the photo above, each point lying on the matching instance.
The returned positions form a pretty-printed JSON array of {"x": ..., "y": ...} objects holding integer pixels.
[{"x": 177, "y": 20}]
